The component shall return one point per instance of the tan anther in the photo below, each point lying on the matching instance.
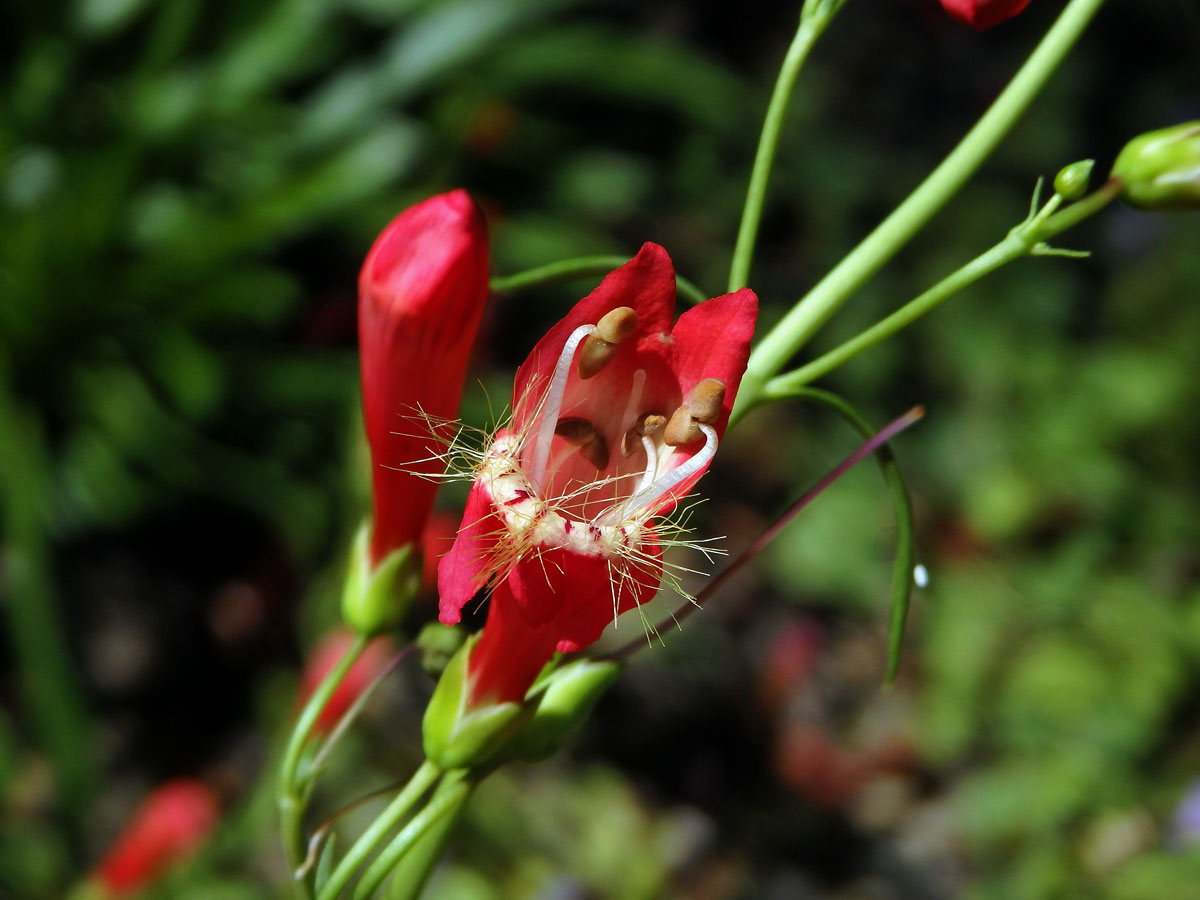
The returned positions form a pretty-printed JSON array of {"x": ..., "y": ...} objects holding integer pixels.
[
  {"x": 596, "y": 452},
  {"x": 706, "y": 399},
  {"x": 649, "y": 423},
  {"x": 576, "y": 430},
  {"x": 646, "y": 424},
  {"x": 594, "y": 356},
  {"x": 681, "y": 429},
  {"x": 618, "y": 325},
  {"x": 581, "y": 433}
]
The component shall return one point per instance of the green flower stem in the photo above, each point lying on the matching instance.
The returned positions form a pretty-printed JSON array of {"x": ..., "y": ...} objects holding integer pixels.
[
  {"x": 395, "y": 812},
  {"x": 811, "y": 27},
  {"x": 902, "y": 567},
  {"x": 292, "y": 794},
  {"x": 415, "y": 866},
  {"x": 799, "y": 324},
  {"x": 447, "y": 801},
  {"x": 581, "y": 267},
  {"x": 784, "y": 386},
  {"x": 1024, "y": 240}
]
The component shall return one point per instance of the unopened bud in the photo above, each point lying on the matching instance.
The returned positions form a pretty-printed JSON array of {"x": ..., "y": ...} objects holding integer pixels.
[
  {"x": 567, "y": 698},
  {"x": 1161, "y": 169},
  {"x": 376, "y": 598},
  {"x": 1071, "y": 182}
]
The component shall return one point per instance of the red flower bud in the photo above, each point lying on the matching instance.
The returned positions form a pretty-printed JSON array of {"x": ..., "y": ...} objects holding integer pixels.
[
  {"x": 421, "y": 294},
  {"x": 324, "y": 656},
  {"x": 981, "y": 14},
  {"x": 171, "y": 822}
]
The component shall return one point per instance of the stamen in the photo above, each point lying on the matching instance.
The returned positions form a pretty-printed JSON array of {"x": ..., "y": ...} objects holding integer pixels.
[
  {"x": 650, "y": 423},
  {"x": 646, "y": 424},
  {"x": 634, "y": 403},
  {"x": 615, "y": 326},
  {"x": 595, "y": 356},
  {"x": 706, "y": 400},
  {"x": 651, "y": 465},
  {"x": 554, "y": 398},
  {"x": 618, "y": 325},
  {"x": 681, "y": 429},
  {"x": 701, "y": 458},
  {"x": 583, "y": 434}
]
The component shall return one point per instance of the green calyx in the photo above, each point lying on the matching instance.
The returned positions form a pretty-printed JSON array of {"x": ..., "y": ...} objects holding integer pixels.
[
  {"x": 376, "y": 598},
  {"x": 458, "y": 736},
  {"x": 1161, "y": 169},
  {"x": 563, "y": 698}
]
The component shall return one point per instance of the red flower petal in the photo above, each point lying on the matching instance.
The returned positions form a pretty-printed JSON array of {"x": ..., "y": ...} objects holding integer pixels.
[
  {"x": 465, "y": 569},
  {"x": 983, "y": 14},
  {"x": 646, "y": 283},
  {"x": 168, "y": 824}
]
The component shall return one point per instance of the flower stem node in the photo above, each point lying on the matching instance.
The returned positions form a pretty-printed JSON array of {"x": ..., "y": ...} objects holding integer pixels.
[
  {"x": 1161, "y": 169},
  {"x": 564, "y": 698},
  {"x": 459, "y": 733},
  {"x": 376, "y": 597},
  {"x": 1071, "y": 182}
]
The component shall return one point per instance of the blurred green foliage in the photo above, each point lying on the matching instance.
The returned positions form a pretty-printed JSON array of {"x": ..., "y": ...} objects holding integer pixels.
[{"x": 186, "y": 190}]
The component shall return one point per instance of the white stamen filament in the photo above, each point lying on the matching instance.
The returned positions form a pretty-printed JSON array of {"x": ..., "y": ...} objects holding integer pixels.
[
  {"x": 635, "y": 400},
  {"x": 651, "y": 466},
  {"x": 644, "y": 497},
  {"x": 553, "y": 405}
]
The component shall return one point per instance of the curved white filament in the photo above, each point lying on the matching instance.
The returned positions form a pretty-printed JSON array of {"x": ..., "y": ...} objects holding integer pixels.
[
  {"x": 701, "y": 458},
  {"x": 553, "y": 405},
  {"x": 651, "y": 466}
]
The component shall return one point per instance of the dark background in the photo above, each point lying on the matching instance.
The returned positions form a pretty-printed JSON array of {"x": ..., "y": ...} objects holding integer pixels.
[{"x": 186, "y": 191}]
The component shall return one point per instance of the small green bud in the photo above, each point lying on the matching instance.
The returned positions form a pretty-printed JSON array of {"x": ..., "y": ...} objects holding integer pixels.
[
  {"x": 437, "y": 644},
  {"x": 376, "y": 598},
  {"x": 1161, "y": 169},
  {"x": 566, "y": 699},
  {"x": 457, "y": 736},
  {"x": 1071, "y": 182}
]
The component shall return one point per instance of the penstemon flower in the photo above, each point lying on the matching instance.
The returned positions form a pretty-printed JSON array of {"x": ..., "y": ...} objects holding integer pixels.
[
  {"x": 981, "y": 14},
  {"x": 616, "y": 414}
]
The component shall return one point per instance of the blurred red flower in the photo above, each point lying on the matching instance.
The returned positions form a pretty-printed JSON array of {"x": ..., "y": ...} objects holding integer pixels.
[
  {"x": 324, "y": 656},
  {"x": 170, "y": 822}
]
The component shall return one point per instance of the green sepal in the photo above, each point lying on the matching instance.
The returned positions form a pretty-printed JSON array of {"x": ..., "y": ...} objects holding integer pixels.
[
  {"x": 459, "y": 737},
  {"x": 376, "y": 598},
  {"x": 564, "y": 699},
  {"x": 1161, "y": 169}
]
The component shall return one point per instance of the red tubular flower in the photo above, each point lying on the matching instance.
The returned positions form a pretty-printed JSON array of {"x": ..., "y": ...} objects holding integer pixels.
[
  {"x": 981, "y": 14},
  {"x": 171, "y": 822},
  {"x": 421, "y": 294},
  {"x": 616, "y": 416},
  {"x": 324, "y": 656}
]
